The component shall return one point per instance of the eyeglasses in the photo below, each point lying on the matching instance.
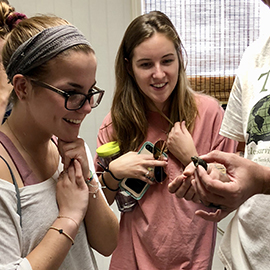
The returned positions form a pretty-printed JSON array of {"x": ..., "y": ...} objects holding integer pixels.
[
  {"x": 74, "y": 101},
  {"x": 160, "y": 147}
]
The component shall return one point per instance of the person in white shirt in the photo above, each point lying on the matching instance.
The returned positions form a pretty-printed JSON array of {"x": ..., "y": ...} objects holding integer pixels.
[{"x": 245, "y": 244}]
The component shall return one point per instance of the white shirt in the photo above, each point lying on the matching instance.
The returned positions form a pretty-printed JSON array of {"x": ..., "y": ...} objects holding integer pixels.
[{"x": 245, "y": 244}]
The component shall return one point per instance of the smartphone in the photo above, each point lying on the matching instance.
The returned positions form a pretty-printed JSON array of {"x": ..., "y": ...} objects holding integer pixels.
[{"x": 133, "y": 186}]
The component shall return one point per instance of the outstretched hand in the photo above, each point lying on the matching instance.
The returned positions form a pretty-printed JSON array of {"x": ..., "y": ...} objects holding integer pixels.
[
  {"x": 244, "y": 177},
  {"x": 182, "y": 186}
]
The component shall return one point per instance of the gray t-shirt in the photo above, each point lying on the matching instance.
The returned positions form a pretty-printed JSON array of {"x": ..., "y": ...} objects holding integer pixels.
[{"x": 39, "y": 211}]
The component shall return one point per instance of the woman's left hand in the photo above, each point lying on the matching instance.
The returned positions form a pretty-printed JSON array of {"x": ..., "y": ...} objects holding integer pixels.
[
  {"x": 181, "y": 186},
  {"x": 72, "y": 193},
  {"x": 74, "y": 150},
  {"x": 180, "y": 143}
]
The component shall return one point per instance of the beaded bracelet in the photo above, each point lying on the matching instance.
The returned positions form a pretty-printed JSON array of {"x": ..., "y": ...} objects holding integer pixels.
[
  {"x": 107, "y": 185},
  {"x": 89, "y": 179},
  {"x": 89, "y": 184},
  {"x": 109, "y": 171},
  {"x": 61, "y": 231},
  {"x": 93, "y": 186}
]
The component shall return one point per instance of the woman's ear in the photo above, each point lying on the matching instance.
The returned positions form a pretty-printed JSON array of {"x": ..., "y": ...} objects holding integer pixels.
[
  {"x": 21, "y": 86},
  {"x": 129, "y": 67}
]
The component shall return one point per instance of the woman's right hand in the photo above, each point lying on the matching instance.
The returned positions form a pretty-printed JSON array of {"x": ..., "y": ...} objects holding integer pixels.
[
  {"x": 74, "y": 150},
  {"x": 72, "y": 192},
  {"x": 180, "y": 143},
  {"x": 132, "y": 165}
]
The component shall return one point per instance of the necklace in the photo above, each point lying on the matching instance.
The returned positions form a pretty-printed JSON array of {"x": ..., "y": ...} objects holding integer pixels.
[
  {"x": 34, "y": 161},
  {"x": 13, "y": 133}
]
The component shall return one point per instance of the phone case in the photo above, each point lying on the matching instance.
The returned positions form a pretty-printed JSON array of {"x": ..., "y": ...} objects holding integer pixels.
[{"x": 136, "y": 188}]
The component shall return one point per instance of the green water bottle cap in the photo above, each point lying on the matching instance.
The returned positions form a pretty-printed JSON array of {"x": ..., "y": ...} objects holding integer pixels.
[{"x": 108, "y": 149}]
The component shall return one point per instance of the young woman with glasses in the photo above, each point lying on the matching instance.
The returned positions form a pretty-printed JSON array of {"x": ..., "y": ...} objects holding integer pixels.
[
  {"x": 153, "y": 101},
  {"x": 52, "y": 209}
]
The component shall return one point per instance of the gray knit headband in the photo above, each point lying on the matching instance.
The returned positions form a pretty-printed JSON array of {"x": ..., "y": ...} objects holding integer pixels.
[{"x": 42, "y": 47}]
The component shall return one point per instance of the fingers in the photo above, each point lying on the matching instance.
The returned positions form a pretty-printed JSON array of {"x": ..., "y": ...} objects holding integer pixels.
[
  {"x": 71, "y": 150},
  {"x": 183, "y": 127},
  {"x": 74, "y": 150},
  {"x": 149, "y": 175},
  {"x": 189, "y": 194},
  {"x": 182, "y": 187},
  {"x": 179, "y": 127},
  {"x": 213, "y": 192},
  {"x": 157, "y": 162},
  {"x": 62, "y": 176},
  {"x": 176, "y": 184},
  {"x": 72, "y": 193},
  {"x": 219, "y": 157},
  {"x": 71, "y": 172},
  {"x": 132, "y": 165},
  {"x": 207, "y": 185},
  {"x": 190, "y": 169},
  {"x": 196, "y": 197},
  {"x": 216, "y": 216},
  {"x": 79, "y": 178},
  {"x": 206, "y": 197},
  {"x": 73, "y": 175}
]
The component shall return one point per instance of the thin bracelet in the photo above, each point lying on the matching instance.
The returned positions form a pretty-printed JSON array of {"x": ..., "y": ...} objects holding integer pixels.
[
  {"x": 61, "y": 231},
  {"x": 93, "y": 186},
  {"x": 61, "y": 216},
  {"x": 110, "y": 172},
  {"x": 89, "y": 179},
  {"x": 106, "y": 184}
]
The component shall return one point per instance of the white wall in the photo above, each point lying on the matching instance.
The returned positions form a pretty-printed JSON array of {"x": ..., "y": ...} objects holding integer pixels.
[{"x": 103, "y": 22}]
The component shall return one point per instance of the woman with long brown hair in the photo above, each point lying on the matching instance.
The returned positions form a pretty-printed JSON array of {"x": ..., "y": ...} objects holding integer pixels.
[{"x": 153, "y": 101}]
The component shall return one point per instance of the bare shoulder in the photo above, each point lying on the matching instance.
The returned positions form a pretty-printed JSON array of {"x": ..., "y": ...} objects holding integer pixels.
[{"x": 4, "y": 170}]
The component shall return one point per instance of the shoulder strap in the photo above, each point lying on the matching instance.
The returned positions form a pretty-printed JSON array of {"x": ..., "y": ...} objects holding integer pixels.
[
  {"x": 27, "y": 175},
  {"x": 17, "y": 191}
]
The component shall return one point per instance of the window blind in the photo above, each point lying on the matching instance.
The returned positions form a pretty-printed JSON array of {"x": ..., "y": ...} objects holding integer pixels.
[{"x": 215, "y": 34}]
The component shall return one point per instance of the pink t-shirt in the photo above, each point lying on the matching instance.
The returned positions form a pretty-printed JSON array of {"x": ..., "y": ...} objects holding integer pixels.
[{"x": 162, "y": 232}]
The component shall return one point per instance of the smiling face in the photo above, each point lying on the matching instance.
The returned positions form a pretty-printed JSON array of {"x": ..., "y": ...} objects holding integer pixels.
[
  {"x": 155, "y": 66},
  {"x": 72, "y": 73}
]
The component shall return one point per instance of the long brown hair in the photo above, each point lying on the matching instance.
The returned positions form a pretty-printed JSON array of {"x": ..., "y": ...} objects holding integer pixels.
[{"x": 129, "y": 104}]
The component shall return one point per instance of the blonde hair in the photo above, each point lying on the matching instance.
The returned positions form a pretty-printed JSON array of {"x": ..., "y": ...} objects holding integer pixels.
[
  {"x": 129, "y": 105},
  {"x": 29, "y": 28},
  {"x": 25, "y": 30},
  {"x": 5, "y": 11}
]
